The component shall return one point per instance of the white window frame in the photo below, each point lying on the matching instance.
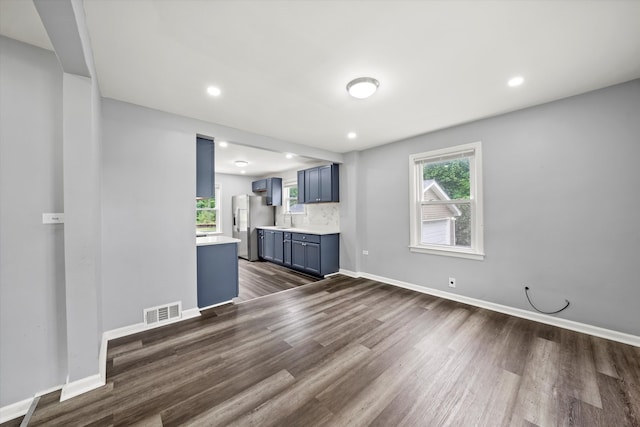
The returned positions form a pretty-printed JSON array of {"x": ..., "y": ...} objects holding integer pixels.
[
  {"x": 476, "y": 252},
  {"x": 218, "y": 211},
  {"x": 285, "y": 198}
]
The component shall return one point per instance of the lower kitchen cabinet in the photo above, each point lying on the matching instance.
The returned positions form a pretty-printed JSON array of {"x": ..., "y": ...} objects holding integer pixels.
[
  {"x": 278, "y": 246},
  {"x": 217, "y": 273},
  {"x": 314, "y": 254},
  {"x": 268, "y": 249},
  {"x": 272, "y": 243},
  {"x": 306, "y": 256},
  {"x": 260, "y": 243},
  {"x": 287, "y": 249}
]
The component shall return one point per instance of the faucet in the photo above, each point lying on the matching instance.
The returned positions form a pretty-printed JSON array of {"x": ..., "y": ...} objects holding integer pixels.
[{"x": 284, "y": 219}]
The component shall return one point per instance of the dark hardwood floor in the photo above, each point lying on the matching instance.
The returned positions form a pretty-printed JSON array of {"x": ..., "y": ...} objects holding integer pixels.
[
  {"x": 259, "y": 278},
  {"x": 352, "y": 352}
]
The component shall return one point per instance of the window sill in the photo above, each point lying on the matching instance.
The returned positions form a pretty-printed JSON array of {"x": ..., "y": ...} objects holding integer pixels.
[
  {"x": 457, "y": 253},
  {"x": 208, "y": 233}
]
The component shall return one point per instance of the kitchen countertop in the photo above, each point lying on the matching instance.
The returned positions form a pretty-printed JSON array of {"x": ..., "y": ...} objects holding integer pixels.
[
  {"x": 215, "y": 240},
  {"x": 307, "y": 229}
]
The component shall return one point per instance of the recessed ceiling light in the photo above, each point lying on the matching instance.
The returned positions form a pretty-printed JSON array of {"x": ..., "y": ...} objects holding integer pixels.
[
  {"x": 515, "y": 81},
  {"x": 352, "y": 135},
  {"x": 241, "y": 163},
  {"x": 362, "y": 87},
  {"x": 243, "y": 171},
  {"x": 289, "y": 156},
  {"x": 213, "y": 91},
  {"x": 223, "y": 144}
]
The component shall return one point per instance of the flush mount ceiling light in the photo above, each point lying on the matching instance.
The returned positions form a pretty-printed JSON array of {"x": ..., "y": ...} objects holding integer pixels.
[
  {"x": 223, "y": 144},
  {"x": 362, "y": 87},
  {"x": 241, "y": 163},
  {"x": 213, "y": 91},
  {"x": 352, "y": 135},
  {"x": 515, "y": 81},
  {"x": 289, "y": 156}
]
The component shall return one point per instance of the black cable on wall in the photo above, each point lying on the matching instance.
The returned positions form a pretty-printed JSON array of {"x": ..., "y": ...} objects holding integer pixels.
[{"x": 526, "y": 292}]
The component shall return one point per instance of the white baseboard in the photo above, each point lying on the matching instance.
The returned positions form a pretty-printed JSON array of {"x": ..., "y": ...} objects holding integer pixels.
[
  {"x": 20, "y": 408},
  {"x": 83, "y": 385},
  {"x": 349, "y": 273},
  {"x": 134, "y": 329},
  {"x": 517, "y": 312},
  {"x": 15, "y": 410}
]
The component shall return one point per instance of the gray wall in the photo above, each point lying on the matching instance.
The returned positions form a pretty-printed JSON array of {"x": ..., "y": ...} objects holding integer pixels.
[
  {"x": 149, "y": 179},
  {"x": 560, "y": 208},
  {"x": 32, "y": 279}
]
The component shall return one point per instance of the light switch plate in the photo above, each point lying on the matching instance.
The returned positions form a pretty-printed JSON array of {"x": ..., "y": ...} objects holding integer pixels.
[{"x": 53, "y": 218}]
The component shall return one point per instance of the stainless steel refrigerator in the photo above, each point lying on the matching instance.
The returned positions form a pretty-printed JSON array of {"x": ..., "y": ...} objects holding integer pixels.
[{"x": 250, "y": 212}]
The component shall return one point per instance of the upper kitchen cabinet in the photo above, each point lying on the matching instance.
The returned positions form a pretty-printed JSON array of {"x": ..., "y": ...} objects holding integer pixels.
[
  {"x": 205, "y": 168},
  {"x": 272, "y": 187},
  {"x": 319, "y": 184}
]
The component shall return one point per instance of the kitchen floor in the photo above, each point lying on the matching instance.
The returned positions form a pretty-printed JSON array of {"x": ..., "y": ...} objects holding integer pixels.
[{"x": 261, "y": 278}]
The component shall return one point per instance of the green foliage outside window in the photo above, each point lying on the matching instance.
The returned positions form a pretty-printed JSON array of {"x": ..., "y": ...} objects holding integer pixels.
[
  {"x": 294, "y": 207},
  {"x": 451, "y": 175},
  {"x": 206, "y": 214}
]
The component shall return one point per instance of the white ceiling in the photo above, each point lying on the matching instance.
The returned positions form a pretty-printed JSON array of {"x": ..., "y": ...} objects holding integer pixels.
[
  {"x": 261, "y": 162},
  {"x": 19, "y": 20},
  {"x": 283, "y": 66}
]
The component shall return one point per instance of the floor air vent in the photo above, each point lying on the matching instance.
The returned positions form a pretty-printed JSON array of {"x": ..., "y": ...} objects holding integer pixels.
[{"x": 162, "y": 313}]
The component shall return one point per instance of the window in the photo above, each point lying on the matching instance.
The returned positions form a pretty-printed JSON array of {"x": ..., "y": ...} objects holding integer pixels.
[
  {"x": 446, "y": 202},
  {"x": 291, "y": 204},
  {"x": 208, "y": 217}
]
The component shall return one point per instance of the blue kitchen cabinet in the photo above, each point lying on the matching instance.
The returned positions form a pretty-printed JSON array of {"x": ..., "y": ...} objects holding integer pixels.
[
  {"x": 301, "y": 190},
  {"x": 278, "y": 247},
  {"x": 260, "y": 243},
  {"x": 205, "y": 168},
  {"x": 217, "y": 273},
  {"x": 319, "y": 185},
  {"x": 267, "y": 250},
  {"x": 287, "y": 249},
  {"x": 272, "y": 189},
  {"x": 272, "y": 246},
  {"x": 315, "y": 254}
]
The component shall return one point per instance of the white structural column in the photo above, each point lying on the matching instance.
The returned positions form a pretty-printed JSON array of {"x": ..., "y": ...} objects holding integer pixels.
[
  {"x": 65, "y": 23},
  {"x": 82, "y": 226}
]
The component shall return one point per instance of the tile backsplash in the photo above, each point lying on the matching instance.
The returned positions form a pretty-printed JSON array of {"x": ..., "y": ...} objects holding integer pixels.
[{"x": 325, "y": 214}]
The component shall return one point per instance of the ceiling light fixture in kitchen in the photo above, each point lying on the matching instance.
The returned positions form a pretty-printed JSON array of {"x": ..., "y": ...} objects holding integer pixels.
[
  {"x": 241, "y": 163},
  {"x": 352, "y": 135},
  {"x": 223, "y": 144},
  {"x": 362, "y": 87},
  {"x": 213, "y": 91},
  {"x": 289, "y": 156},
  {"x": 515, "y": 81}
]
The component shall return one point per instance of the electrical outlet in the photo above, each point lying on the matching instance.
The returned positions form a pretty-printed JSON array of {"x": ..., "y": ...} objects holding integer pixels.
[
  {"x": 452, "y": 282},
  {"x": 365, "y": 252}
]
